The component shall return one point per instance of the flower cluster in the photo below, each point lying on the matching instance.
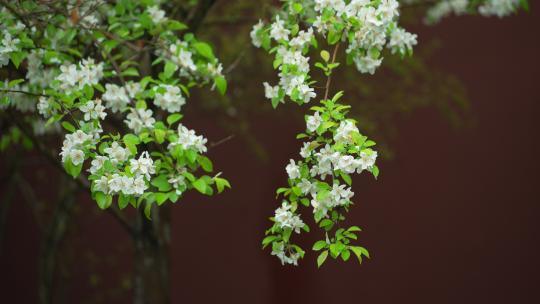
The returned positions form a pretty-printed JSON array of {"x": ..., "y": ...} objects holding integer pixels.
[
  {"x": 190, "y": 59},
  {"x": 187, "y": 139},
  {"x": 499, "y": 8},
  {"x": 116, "y": 97},
  {"x": 80, "y": 74},
  {"x": 93, "y": 109},
  {"x": 109, "y": 178},
  {"x": 138, "y": 119},
  {"x": 7, "y": 46},
  {"x": 169, "y": 98},
  {"x": 74, "y": 146},
  {"x": 367, "y": 27},
  {"x": 321, "y": 179},
  {"x": 76, "y": 77}
]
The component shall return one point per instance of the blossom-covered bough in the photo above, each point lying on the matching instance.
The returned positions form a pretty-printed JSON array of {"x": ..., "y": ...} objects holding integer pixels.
[
  {"x": 115, "y": 76},
  {"x": 112, "y": 78},
  {"x": 334, "y": 148}
]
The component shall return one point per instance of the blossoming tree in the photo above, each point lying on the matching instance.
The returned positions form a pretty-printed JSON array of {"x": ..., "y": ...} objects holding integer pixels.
[{"x": 112, "y": 78}]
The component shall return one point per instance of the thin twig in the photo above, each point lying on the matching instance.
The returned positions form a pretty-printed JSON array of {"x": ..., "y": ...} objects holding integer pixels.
[
  {"x": 24, "y": 92},
  {"x": 329, "y": 80},
  {"x": 221, "y": 141},
  {"x": 236, "y": 62}
]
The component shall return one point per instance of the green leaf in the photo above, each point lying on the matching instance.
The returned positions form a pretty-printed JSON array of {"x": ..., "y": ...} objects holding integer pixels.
[
  {"x": 297, "y": 7},
  {"x": 161, "y": 182},
  {"x": 267, "y": 240},
  {"x": 346, "y": 177},
  {"x": 327, "y": 224},
  {"x": 161, "y": 198},
  {"x": 322, "y": 257},
  {"x": 325, "y": 55},
  {"x": 71, "y": 169},
  {"x": 221, "y": 84},
  {"x": 319, "y": 245},
  {"x": 221, "y": 184},
  {"x": 375, "y": 171},
  {"x": 345, "y": 255},
  {"x": 68, "y": 126},
  {"x": 104, "y": 201},
  {"x": 354, "y": 228},
  {"x": 88, "y": 91},
  {"x": 200, "y": 185},
  {"x": 131, "y": 142},
  {"x": 169, "y": 69},
  {"x": 275, "y": 102},
  {"x": 174, "y": 25},
  {"x": 123, "y": 201},
  {"x": 191, "y": 155},
  {"x": 148, "y": 210},
  {"x": 359, "y": 251},
  {"x": 335, "y": 249},
  {"x": 171, "y": 119},
  {"x": 159, "y": 135},
  {"x": 204, "y": 50},
  {"x": 205, "y": 163},
  {"x": 99, "y": 87},
  {"x": 130, "y": 72},
  {"x": 15, "y": 82},
  {"x": 17, "y": 58},
  {"x": 334, "y": 37}
]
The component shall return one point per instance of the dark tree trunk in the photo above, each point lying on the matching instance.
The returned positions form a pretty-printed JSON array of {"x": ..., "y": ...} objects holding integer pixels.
[
  {"x": 53, "y": 236},
  {"x": 151, "y": 279}
]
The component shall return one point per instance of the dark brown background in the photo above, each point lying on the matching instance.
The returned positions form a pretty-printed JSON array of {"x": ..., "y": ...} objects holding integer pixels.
[{"x": 453, "y": 217}]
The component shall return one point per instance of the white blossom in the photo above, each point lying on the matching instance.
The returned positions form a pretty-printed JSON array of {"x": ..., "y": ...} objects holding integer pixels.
[
  {"x": 171, "y": 100},
  {"x": 72, "y": 76},
  {"x": 116, "y": 97},
  {"x": 138, "y": 119},
  {"x": 305, "y": 186},
  {"x": 499, "y": 8},
  {"x": 278, "y": 30},
  {"x": 93, "y": 110},
  {"x": 76, "y": 156},
  {"x": 343, "y": 132},
  {"x": 291, "y": 258},
  {"x": 144, "y": 165},
  {"x": 139, "y": 186},
  {"x": 270, "y": 92},
  {"x": 302, "y": 39},
  {"x": 313, "y": 122},
  {"x": 116, "y": 153},
  {"x": 292, "y": 170},
  {"x": 102, "y": 184},
  {"x": 97, "y": 163},
  {"x": 367, "y": 64},
  {"x": 72, "y": 142},
  {"x": 401, "y": 41},
  {"x": 156, "y": 14},
  {"x": 189, "y": 140},
  {"x": 286, "y": 219},
  {"x": 305, "y": 151},
  {"x": 255, "y": 39},
  {"x": 367, "y": 159}
]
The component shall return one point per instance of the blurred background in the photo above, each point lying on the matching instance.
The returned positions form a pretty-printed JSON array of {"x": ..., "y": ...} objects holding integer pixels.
[{"x": 453, "y": 217}]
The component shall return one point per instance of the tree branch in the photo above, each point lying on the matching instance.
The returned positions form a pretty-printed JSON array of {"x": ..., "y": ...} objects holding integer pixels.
[{"x": 329, "y": 80}]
